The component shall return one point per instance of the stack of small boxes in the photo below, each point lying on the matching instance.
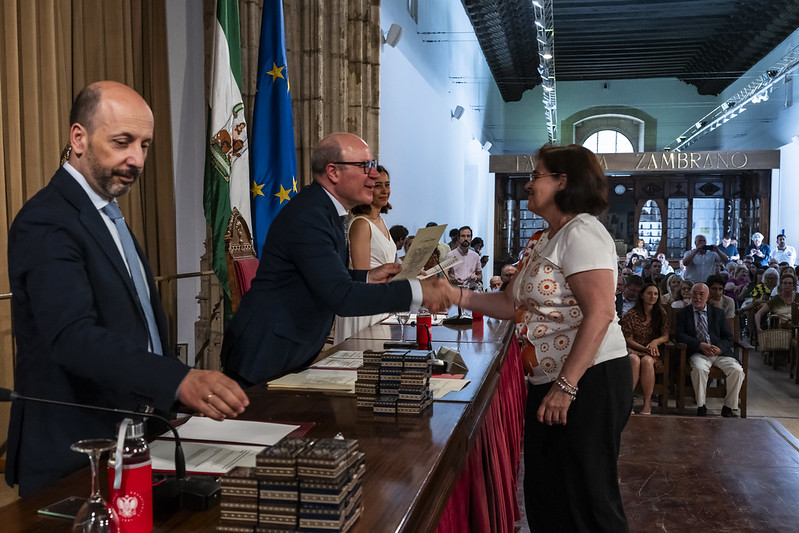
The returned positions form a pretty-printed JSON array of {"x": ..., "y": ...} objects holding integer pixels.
[
  {"x": 239, "y": 507},
  {"x": 394, "y": 381},
  {"x": 297, "y": 485}
]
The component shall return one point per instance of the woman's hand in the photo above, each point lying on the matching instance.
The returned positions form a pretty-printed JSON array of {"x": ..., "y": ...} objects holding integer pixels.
[
  {"x": 653, "y": 350},
  {"x": 554, "y": 407}
]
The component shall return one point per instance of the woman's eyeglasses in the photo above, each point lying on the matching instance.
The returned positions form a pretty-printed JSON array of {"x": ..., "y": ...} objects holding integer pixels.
[{"x": 536, "y": 175}]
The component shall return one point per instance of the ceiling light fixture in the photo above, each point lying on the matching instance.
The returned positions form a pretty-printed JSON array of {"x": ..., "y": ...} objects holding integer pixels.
[
  {"x": 755, "y": 92},
  {"x": 545, "y": 36}
]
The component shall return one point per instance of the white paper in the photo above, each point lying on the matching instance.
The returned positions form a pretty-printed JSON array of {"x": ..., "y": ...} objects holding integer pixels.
[
  {"x": 238, "y": 431},
  {"x": 341, "y": 359},
  {"x": 444, "y": 264},
  {"x": 317, "y": 379},
  {"x": 202, "y": 458},
  {"x": 421, "y": 249},
  {"x": 442, "y": 386}
]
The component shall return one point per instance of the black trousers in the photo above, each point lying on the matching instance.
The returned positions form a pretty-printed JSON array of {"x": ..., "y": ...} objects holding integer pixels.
[{"x": 571, "y": 481}]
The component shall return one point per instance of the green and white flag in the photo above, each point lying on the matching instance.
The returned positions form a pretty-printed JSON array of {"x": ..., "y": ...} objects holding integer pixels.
[{"x": 227, "y": 167}]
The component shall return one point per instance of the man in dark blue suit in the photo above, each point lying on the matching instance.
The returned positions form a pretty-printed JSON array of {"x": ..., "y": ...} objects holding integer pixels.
[
  {"x": 303, "y": 280},
  {"x": 87, "y": 332},
  {"x": 703, "y": 328}
]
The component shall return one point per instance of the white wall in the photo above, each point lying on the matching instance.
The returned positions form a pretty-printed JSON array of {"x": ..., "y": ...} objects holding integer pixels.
[
  {"x": 186, "y": 85},
  {"x": 784, "y": 193},
  {"x": 439, "y": 171}
]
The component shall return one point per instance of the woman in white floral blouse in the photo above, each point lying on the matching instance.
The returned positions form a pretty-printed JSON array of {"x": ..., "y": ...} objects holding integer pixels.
[{"x": 579, "y": 376}]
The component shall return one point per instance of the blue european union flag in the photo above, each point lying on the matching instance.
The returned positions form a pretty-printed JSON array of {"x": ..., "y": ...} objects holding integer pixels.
[{"x": 273, "y": 165}]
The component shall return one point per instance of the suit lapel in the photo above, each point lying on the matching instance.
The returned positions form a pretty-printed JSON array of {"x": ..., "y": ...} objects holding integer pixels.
[
  {"x": 335, "y": 222},
  {"x": 91, "y": 219}
]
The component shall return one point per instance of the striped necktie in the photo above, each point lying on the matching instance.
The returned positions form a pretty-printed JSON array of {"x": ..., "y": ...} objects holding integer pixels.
[{"x": 701, "y": 327}]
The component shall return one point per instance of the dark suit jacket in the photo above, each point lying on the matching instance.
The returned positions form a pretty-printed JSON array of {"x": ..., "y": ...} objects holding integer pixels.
[
  {"x": 301, "y": 283},
  {"x": 81, "y": 334},
  {"x": 717, "y": 327}
]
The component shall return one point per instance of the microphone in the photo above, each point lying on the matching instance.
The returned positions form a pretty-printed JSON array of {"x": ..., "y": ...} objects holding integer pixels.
[{"x": 189, "y": 493}]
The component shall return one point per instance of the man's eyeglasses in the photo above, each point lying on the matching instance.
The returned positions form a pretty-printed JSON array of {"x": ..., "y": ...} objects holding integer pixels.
[
  {"x": 367, "y": 166},
  {"x": 536, "y": 175}
]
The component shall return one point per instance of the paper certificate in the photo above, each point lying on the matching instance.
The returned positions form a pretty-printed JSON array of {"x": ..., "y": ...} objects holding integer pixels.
[{"x": 420, "y": 251}]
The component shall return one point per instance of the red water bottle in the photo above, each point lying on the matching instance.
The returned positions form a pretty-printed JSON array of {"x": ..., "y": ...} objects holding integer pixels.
[
  {"x": 130, "y": 479},
  {"x": 424, "y": 321}
]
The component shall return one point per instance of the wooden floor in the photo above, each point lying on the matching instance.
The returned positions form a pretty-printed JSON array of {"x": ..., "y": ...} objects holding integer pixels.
[{"x": 683, "y": 473}]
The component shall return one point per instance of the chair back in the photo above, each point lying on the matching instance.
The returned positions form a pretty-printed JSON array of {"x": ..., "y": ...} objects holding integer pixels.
[{"x": 240, "y": 256}]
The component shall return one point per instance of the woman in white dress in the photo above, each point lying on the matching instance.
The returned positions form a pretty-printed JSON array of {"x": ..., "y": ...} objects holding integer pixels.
[{"x": 370, "y": 246}]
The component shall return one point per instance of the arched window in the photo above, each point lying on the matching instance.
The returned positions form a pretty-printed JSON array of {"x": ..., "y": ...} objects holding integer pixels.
[{"x": 608, "y": 142}]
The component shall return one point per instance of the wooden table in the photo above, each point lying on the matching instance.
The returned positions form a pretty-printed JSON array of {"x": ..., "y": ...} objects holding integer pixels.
[{"x": 412, "y": 462}]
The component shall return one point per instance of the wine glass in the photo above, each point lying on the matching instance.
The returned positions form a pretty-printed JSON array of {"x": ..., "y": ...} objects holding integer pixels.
[
  {"x": 95, "y": 516},
  {"x": 402, "y": 318}
]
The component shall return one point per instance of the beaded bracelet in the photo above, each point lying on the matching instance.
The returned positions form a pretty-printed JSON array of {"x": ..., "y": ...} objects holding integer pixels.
[
  {"x": 567, "y": 387},
  {"x": 563, "y": 387}
]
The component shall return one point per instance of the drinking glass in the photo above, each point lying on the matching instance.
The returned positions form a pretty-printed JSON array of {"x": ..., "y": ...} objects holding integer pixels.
[
  {"x": 95, "y": 516},
  {"x": 402, "y": 318}
]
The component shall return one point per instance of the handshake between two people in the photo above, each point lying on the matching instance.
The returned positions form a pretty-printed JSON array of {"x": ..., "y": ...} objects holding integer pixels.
[{"x": 437, "y": 293}]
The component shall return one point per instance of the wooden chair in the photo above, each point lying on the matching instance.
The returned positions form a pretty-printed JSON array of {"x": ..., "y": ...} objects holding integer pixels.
[
  {"x": 240, "y": 256},
  {"x": 685, "y": 387}
]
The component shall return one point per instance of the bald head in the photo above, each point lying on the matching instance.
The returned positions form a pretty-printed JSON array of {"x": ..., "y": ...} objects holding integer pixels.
[
  {"x": 343, "y": 164},
  {"x": 699, "y": 295},
  {"x": 111, "y": 129}
]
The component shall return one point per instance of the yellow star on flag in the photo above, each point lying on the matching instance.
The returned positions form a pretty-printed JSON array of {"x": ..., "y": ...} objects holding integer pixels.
[
  {"x": 276, "y": 72},
  {"x": 256, "y": 189},
  {"x": 283, "y": 194},
  {"x": 295, "y": 183}
]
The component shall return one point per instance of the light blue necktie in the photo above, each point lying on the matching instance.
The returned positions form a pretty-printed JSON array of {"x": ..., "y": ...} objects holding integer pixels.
[{"x": 132, "y": 259}]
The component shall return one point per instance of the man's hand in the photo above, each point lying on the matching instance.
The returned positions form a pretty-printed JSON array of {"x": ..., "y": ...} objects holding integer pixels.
[
  {"x": 384, "y": 273},
  {"x": 212, "y": 394},
  {"x": 436, "y": 295}
]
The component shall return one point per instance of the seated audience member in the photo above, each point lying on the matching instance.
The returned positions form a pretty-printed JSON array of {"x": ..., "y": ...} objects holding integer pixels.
[
  {"x": 783, "y": 252},
  {"x": 626, "y": 300},
  {"x": 506, "y": 273},
  {"x": 639, "y": 249},
  {"x": 670, "y": 289},
  {"x": 407, "y": 245},
  {"x": 468, "y": 272},
  {"x": 761, "y": 292},
  {"x": 700, "y": 262},
  {"x": 635, "y": 263},
  {"x": 685, "y": 295},
  {"x": 773, "y": 263},
  {"x": 495, "y": 283},
  {"x": 715, "y": 285},
  {"x": 651, "y": 271},
  {"x": 398, "y": 235},
  {"x": 453, "y": 238},
  {"x": 704, "y": 330},
  {"x": 665, "y": 267},
  {"x": 729, "y": 248},
  {"x": 779, "y": 306},
  {"x": 477, "y": 245},
  {"x": 737, "y": 282},
  {"x": 758, "y": 250},
  {"x": 645, "y": 328}
]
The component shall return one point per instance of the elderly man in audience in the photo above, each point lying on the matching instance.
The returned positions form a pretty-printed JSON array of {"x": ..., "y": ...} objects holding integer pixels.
[{"x": 703, "y": 328}]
